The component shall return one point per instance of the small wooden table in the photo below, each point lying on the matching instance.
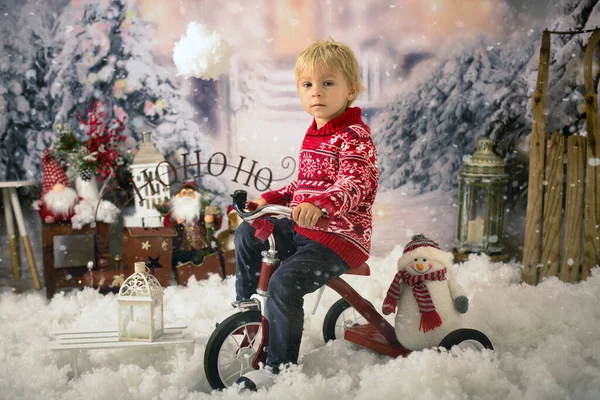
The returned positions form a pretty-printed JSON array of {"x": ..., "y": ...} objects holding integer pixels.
[
  {"x": 11, "y": 203},
  {"x": 74, "y": 341}
]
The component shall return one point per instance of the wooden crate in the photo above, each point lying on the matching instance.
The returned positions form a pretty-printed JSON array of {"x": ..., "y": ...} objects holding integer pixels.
[
  {"x": 154, "y": 246},
  {"x": 211, "y": 264},
  {"x": 71, "y": 277}
]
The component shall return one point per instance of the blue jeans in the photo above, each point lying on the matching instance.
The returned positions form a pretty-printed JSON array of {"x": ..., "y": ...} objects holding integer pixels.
[{"x": 306, "y": 266}]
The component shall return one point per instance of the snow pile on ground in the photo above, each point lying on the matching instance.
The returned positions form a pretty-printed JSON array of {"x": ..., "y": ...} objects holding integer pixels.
[{"x": 547, "y": 341}]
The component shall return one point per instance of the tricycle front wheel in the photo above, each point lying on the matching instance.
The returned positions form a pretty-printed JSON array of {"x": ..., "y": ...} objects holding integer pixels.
[{"x": 231, "y": 348}]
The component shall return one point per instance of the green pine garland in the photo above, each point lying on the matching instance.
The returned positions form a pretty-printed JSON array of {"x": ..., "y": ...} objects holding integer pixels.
[{"x": 72, "y": 154}]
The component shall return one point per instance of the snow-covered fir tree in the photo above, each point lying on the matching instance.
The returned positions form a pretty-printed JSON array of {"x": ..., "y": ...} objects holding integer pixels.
[
  {"x": 100, "y": 51},
  {"x": 113, "y": 62},
  {"x": 484, "y": 90},
  {"x": 31, "y": 38}
]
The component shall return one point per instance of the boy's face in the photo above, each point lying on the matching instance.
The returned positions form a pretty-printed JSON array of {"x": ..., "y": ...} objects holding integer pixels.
[{"x": 324, "y": 94}]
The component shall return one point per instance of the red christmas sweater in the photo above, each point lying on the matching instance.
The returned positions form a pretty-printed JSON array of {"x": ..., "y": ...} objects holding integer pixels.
[{"x": 337, "y": 171}]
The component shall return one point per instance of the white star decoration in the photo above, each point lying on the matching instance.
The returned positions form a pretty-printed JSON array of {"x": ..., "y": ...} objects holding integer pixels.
[
  {"x": 164, "y": 245},
  {"x": 146, "y": 245}
]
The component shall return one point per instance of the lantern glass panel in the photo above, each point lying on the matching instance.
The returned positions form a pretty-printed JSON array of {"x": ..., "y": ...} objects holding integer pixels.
[
  {"x": 464, "y": 201},
  {"x": 476, "y": 215},
  {"x": 135, "y": 321},
  {"x": 157, "y": 319},
  {"x": 496, "y": 215}
]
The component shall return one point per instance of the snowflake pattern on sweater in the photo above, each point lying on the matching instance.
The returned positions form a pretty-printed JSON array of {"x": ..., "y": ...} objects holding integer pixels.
[{"x": 337, "y": 171}]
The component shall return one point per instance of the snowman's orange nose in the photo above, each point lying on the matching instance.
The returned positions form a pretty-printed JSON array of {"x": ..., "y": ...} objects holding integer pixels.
[{"x": 420, "y": 267}]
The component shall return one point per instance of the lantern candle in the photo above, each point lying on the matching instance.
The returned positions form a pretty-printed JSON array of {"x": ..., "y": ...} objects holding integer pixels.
[
  {"x": 475, "y": 230},
  {"x": 136, "y": 329}
]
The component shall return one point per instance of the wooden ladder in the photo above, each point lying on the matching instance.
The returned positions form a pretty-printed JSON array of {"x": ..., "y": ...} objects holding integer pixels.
[{"x": 551, "y": 211}]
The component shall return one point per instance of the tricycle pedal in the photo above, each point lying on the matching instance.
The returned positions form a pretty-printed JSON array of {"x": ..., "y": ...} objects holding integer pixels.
[{"x": 246, "y": 305}]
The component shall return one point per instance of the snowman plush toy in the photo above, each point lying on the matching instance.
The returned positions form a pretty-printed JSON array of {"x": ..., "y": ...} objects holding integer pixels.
[{"x": 430, "y": 302}]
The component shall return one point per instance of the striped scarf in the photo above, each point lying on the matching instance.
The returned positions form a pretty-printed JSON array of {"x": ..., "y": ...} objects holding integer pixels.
[{"x": 430, "y": 319}]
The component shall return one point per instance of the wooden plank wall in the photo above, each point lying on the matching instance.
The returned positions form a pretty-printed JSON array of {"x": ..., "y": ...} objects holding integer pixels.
[
  {"x": 562, "y": 236},
  {"x": 553, "y": 204},
  {"x": 591, "y": 241},
  {"x": 575, "y": 181},
  {"x": 537, "y": 152},
  {"x": 563, "y": 212}
]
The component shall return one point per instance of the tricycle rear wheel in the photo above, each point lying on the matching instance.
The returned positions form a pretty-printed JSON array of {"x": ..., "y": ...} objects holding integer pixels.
[
  {"x": 466, "y": 338},
  {"x": 341, "y": 315}
]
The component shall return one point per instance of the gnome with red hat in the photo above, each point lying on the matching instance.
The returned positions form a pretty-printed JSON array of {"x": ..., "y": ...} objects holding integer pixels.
[
  {"x": 58, "y": 197},
  {"x": 185, "y": 215},
  {"x": 429, "y": 301}
]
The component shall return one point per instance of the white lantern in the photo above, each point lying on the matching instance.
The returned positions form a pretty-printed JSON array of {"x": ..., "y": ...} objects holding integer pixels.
[
  {"x": 148, "y": 159},
  {"x": 140, "y": 303}
]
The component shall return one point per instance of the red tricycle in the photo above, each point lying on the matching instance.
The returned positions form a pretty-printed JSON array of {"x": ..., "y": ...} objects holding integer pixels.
[{"x": 240, "y": 342}]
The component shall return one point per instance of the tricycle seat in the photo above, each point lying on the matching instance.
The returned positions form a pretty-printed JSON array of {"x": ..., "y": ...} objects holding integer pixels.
[{"x": 362, "y": 269}]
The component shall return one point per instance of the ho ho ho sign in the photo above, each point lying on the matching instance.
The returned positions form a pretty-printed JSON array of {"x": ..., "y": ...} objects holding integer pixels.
[{"x": 246, "y": 172}]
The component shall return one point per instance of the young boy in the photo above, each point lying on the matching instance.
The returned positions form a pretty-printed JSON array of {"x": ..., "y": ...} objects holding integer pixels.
[{"x": 337, "y": 177}]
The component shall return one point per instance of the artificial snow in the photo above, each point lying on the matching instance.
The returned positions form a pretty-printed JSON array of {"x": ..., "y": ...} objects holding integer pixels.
[
  {"x": 547, "y": 341},
  {"x": 88, "y": 210},
  {"x": 201, "y": 54}
]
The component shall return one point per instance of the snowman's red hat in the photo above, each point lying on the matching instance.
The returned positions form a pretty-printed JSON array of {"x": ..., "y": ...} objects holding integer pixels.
[{"x": 420, "y": 246}]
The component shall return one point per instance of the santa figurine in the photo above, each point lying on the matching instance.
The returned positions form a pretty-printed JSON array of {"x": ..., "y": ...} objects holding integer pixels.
[
  {"x": 58, "y": 197},
  {"x": 430, "y": 302},
  {"x": 185, "y": 215}
]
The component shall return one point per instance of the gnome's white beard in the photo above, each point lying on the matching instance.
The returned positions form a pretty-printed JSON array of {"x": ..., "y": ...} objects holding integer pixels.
[
  {"x": 186, "y": 208},
  {"x": 61, "y": 202}
]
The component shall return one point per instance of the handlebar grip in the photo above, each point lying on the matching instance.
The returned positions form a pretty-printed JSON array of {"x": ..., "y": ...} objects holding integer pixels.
[{"x": 263, "y": 227}]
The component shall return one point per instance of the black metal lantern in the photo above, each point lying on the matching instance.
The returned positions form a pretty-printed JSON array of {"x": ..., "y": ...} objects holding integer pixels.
[{"x": 482, "y": 188}]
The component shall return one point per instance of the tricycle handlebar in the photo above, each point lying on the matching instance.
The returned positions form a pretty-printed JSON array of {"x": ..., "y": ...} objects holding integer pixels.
[
  {"x": 269, "y": 209},
  {"x": 240, "y": 205}
]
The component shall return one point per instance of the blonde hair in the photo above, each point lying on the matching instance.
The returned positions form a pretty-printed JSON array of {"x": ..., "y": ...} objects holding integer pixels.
[{"x": 331, "y": 55}]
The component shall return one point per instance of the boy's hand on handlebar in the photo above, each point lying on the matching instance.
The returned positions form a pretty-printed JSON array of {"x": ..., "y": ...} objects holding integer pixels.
[
  {"x": 259, "y": 202},
  {"x": 306, "y": 215}
]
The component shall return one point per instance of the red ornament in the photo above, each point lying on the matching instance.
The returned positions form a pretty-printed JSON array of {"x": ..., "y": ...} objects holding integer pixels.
[{"x": 103, "y": 134}]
